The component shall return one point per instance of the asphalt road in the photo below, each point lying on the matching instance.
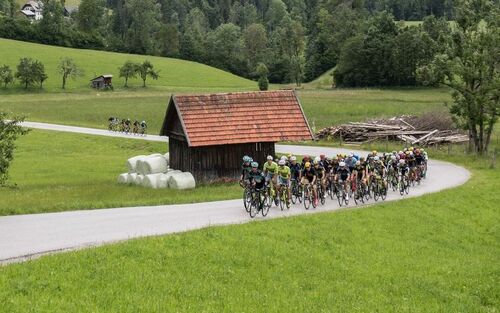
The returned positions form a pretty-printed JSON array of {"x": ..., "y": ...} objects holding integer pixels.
[{"x": 24, "y": 237}]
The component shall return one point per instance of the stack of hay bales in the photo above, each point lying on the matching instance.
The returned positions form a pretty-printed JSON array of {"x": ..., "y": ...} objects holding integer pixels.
[{"x": 153, "y": 171}]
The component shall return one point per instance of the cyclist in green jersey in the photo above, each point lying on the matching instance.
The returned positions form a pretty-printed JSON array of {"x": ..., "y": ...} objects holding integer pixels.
[
  {"x": 284, "y": 175},
  {"x": 270, "y": 171}
]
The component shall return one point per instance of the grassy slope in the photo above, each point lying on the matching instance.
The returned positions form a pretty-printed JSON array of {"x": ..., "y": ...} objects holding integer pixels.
[
  {"x": 174, "y": 73},
  {"x": 433, "y": 254},
  {"x": 60, "y": 172},
  {"x": 322, "y": 107}
]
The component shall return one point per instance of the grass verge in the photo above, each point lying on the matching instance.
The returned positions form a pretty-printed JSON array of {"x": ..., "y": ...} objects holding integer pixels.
[
  {"x": 435, "y": 253},
  {"x": 60, "y": 172}
]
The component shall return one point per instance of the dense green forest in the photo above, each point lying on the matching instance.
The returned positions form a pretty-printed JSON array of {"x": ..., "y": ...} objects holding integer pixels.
[{"x": 296, "y": 39}]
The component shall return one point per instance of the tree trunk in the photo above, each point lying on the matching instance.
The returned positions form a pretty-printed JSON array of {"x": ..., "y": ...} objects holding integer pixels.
[
  {"x": 64, "y": 82},
  {"x": 143, "y": 82},
  {"x": 126, "y": 81}
]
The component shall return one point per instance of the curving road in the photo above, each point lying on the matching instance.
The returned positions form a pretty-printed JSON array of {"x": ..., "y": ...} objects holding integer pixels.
[{"x": 27, "y": 236}]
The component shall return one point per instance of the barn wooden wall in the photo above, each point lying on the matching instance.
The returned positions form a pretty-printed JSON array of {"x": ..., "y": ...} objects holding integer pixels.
[{"x": 215, "y": 162}]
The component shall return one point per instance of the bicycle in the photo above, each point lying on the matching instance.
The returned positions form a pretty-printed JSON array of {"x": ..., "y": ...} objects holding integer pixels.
[
  {"x": 258, "y": 203},
  {"x": 283, "y": 197},
  {"x": 296, "y": 192},
  {"x": 247, "y": 195},
  {"x": 320, "y": 192},
  {"x": 404, "y": 184},
  {"x": 343, "y": 193},
  {"x": 358, "y": 191},
  {"x": 308, "y": 197},
  {"x": 380, "y": 191}
]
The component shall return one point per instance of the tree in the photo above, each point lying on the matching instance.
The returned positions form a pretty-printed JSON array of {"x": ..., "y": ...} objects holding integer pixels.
[
  {"x": 262, "y": 72},
  {"x": 90, "y": 16},
  {"x": 471, "y": 69},
  {"x": 25, "y": 73},
  {"x": 129, "y": 70},
  {"x": 38, "y": 70},
  {"x": 255, "y": 42},
  {"x": 10, "y": 130},
  {"x": 224, "y": 48},
  {"x": 143, "y": 24},
  {"x": 68, "y": 69},
  {"x": 293, "y": 45},
  {"x": 6, "y": 75},
  {"x": 146, "y": 69}
]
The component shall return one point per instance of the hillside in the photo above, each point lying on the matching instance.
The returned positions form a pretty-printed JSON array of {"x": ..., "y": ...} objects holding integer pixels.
[{"x": 174, "y": 73}]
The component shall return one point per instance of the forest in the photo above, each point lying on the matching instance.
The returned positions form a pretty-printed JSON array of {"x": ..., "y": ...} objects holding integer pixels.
[{"x": 296, "y": 40}]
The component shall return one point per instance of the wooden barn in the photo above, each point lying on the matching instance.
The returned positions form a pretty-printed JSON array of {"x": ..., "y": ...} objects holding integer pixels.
[
  {"x": 102, "y": 82},
  {"x": 209, "y": 134}
]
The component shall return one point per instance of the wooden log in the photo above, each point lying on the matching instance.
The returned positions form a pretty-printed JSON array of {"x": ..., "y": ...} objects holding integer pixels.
[{"x": 424, "y": 137}]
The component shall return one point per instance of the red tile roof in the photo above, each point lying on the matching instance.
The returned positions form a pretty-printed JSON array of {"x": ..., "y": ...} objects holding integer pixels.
[{"x": 233, "y": 118}]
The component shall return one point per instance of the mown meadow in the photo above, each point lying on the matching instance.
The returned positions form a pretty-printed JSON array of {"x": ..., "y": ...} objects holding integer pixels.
[{"x": 434, "y": 253}]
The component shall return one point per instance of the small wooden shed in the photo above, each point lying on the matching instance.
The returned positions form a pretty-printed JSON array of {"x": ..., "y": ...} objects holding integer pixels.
[
  {"x": 209, "y": 134},
  {"x": 102, "y": 82}
]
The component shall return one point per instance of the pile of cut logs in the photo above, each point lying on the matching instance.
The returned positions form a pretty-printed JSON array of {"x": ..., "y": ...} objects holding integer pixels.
[{"x": 422, "y": 130}]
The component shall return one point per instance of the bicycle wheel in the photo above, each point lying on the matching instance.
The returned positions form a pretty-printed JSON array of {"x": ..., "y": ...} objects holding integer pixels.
[
  {"x": 307, "y": 198},
  {"x": 375, "y": 193},
  {"x": 402, "y": 186},
  {"x": 340, "y": 197},
  {"x": 383, "y": 193},
  {"x": 407, "y": 186},
  {"x": 294, "y": 193},
  {"x": 287, "y": 201},
  {"x": 247, "y": 199},
  {"x": 281, "y": 200},
  {"x": 254, "y": 208},
  {"x": 322, "y": 197},
  {"x": 265, "y": 208}
]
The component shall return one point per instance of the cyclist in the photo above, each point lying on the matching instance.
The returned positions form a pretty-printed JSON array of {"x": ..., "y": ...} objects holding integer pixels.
[
  {"x": 305, "y": 159},
  {"x": 320, "y": 172},
  {"x": 358, "y": 174},
  {"x": 135, "y": 130},
  {"x": 342, "y": 177},
  {"x": 419, "y": 162},
  {"x": 246, "y": 168},
  {"x": 309, "y": 177},
  {"x": 144, "y": 127},
  {"x": 270, "y": 170},
  {"x": 295, "y": 168},
  {"x": 379, "y": 169},
  {"x": 284, "y": 176},
  {"x": 257, "y": 180}
]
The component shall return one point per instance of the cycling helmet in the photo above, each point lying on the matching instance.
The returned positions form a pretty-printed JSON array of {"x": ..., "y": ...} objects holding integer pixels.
[
  {"x": 246, "y": 159},
  {"x": 374, "y": 152},
  {"x": 307, "y": 165},
  {"x": 402, "y": 161},
  {"x": 255, "y": 165},
  {"x": 284, "y": 158},
  {"x": 342, "y": 164},
  {"x": 376, "y": 158},
  {"x": 417, "y": 151},
  {"x": 317, "y": 159},
  {"x": 350, "y": 155},
  {"x": 358, "y": 163},
  {"x": 315, "y": 162},
  {"x": 293, "y": 158},
  {"x": 411, "y": 153},
  {"x": 393, "y": 157},
  {"x": 282, "y": 163},
  {"x": 411, "y": 149},
  {"x": 269, "y": 158},
  {"x": 322, "y": 156},
  {"x": 306, "y": 157}
]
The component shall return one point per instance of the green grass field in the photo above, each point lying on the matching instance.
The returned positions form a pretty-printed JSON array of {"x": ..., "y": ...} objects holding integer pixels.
[
  {"x": 61, "y": 172},
  {"x": 175, "y": 74},
  {"x": 437, "y": 253},
  {"x": 322, "y": 107}
]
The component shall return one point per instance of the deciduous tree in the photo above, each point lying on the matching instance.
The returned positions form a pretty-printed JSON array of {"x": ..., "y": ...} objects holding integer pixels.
[
  {"x": 68, "y": 69},
  {"x": 10, "y": 131}
]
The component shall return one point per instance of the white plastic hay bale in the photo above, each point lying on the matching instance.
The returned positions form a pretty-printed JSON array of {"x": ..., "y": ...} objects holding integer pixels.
[
  {"x": 164, "y": 178},
  {"x": 151, "y": 181},
  {"x": 167, "y": 157},
  {"x": 132, "y": 163},
  {"x": 142, "y": 167},
  {"x": 139, "y": 179},
  {"x": 181, "y": 181},
  {"x": 131, "y": 178},
  {"x": 154, "y": 165},
  {"x": 123, "y": 178}
]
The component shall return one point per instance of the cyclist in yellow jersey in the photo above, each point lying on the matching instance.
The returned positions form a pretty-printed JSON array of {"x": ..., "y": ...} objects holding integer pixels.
[
  {"x": 284, "y": 175},
  {"x": 270, "y": 171}
]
